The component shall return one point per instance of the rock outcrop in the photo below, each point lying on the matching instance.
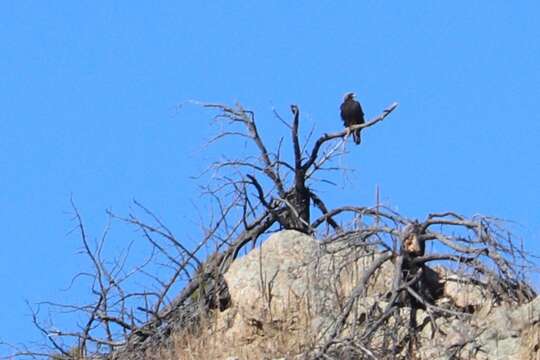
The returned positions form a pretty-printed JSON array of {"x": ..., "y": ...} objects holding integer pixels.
[{"x": 287, "y": 294}]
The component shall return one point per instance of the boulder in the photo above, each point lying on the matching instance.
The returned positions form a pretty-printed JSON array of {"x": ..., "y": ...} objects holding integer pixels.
[{"x": 286, "y": 294}]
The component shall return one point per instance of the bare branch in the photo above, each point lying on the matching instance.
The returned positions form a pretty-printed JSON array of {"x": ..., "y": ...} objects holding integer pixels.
[{"x": 340, "y": 134}]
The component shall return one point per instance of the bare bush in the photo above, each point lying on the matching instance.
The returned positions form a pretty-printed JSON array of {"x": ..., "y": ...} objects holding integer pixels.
[{"x": 478, "y": 250}]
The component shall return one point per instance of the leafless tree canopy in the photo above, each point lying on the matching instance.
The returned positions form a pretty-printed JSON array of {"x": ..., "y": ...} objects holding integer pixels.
[{"x": 267, "y": 191}]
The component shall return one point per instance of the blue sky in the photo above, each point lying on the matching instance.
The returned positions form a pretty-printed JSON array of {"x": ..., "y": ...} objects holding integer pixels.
[{"x": 89, "y": 107}]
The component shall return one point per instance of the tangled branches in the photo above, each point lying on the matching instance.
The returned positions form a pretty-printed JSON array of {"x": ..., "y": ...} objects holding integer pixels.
[
  {"x": 478, "y": 252},
  {"x": 264, "y": 192}
]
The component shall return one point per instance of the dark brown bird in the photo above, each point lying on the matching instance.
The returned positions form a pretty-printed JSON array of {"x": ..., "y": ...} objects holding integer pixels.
[{"x": 352, "y": 114}]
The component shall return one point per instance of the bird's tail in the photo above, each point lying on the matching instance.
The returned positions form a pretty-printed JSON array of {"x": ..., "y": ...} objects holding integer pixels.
[{"x": 356, "y": 137}]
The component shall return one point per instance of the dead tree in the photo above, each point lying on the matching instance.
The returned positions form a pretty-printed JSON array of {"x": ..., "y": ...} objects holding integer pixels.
[
  {"x": 252, "y": 195},
  {"x": 288, "y": 197}
]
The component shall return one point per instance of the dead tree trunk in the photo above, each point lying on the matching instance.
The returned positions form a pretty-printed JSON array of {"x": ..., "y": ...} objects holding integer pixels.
[{"x": 301, "y": 194}]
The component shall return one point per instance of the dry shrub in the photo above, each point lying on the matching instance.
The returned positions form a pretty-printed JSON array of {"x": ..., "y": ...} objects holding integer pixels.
[{"x": 262, "y": 338}]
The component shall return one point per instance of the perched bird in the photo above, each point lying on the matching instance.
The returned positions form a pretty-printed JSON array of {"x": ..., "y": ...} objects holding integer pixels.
[{"x": 352, "y": 114}]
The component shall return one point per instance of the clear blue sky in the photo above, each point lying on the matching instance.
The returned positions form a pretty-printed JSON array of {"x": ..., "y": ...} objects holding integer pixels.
[{"x": 89, "y": 90}]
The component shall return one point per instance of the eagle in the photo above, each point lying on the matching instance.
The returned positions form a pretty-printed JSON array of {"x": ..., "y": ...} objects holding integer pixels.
[{"x": 352, "y": 114}]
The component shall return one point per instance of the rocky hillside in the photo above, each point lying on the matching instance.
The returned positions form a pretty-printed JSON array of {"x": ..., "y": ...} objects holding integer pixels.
[{"x": 288, "y": 297}]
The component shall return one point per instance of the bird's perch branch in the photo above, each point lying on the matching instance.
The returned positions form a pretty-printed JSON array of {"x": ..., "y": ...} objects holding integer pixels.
[{"x": 330, "y": 136}]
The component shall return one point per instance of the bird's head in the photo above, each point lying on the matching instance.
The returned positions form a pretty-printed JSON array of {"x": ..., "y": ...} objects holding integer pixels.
[{"x": 349, "y": 96}]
